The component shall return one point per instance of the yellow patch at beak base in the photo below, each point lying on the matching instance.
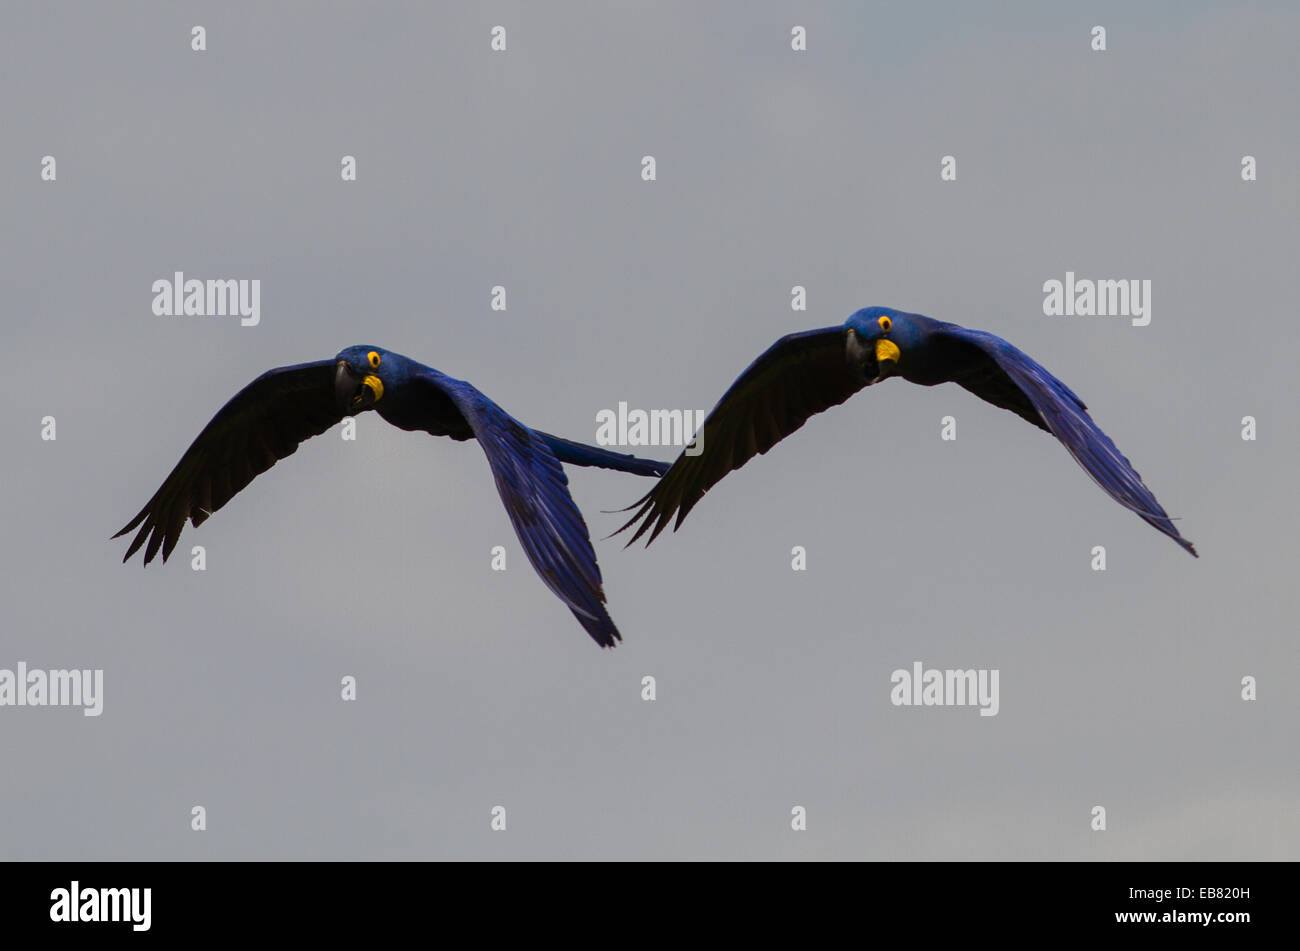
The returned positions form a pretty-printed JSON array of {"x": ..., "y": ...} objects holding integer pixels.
[
  {"x": 376, "y": 386},
  {"x": 887, "y": 351}
]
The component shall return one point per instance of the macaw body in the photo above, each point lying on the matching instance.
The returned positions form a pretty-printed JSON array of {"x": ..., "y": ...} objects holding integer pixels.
[
  {"x": 269, "y": 418},
  {"x": 803, "y": 374}
]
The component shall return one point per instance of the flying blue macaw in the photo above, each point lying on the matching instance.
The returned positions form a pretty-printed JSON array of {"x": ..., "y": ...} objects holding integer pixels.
[
  {"x": 803, "y": 374},
  {"x": 266, "y": 420}
]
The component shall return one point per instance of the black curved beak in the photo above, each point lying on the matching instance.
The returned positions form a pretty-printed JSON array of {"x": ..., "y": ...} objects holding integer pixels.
[
  {"x": 884, "y": 370},
  {"x": 887, "y": 354},
  {"x": 353, "y": 392}
]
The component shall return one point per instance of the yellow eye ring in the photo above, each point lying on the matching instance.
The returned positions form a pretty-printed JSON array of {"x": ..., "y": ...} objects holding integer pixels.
[
  {"x": 885, "y": 323},
  {"x": 373, "y": 358}
]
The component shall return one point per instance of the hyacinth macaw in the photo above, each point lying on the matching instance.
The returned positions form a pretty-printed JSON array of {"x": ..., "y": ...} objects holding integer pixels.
[
  {"x": 266, "y": 420},
  {"x": 805, "y": 373}
]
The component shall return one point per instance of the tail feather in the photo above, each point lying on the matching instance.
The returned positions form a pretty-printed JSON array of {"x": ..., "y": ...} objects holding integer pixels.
[{"x": 580, "y": 454}]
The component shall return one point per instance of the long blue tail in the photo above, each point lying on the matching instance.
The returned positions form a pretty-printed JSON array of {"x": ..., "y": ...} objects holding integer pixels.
[{"x": 580, "y": 454}]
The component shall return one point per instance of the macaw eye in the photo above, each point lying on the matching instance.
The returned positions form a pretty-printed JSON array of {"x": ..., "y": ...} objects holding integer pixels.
[
  {"x": 885, "y": 323},
  {"x": 373, "y": 358}
]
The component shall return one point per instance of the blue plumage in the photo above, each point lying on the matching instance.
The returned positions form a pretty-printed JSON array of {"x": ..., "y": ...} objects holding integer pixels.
[
  {"x": 266, "y": 421},
  {"x": 805, "y": 373}
]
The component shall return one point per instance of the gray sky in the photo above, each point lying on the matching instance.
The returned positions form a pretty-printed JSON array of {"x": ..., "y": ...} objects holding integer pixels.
[{"x": 476, "y": 688}]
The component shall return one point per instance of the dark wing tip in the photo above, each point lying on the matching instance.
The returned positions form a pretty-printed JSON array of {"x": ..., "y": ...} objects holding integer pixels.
[
  {"x": 133, "y": 523},
  {"x": 140, "y": 537},
  {"x": 627, "y": 508},
  {"x": 642, "y": 505},
  {"x": 644, "y": 515},
  {"x": 601, "y": 629}
]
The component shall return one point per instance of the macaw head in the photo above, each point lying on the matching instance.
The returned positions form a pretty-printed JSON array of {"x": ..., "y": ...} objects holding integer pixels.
[
  {"x": 361, "y": 375},
  {"x": 880, "y": 337}
]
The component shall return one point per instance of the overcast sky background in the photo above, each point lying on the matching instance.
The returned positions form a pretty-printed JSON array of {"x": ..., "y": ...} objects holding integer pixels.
[{"x": 1118, "y": 688}]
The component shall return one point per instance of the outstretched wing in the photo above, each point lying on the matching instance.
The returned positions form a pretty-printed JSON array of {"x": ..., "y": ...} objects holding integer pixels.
[
  {"x": 262, "y": 423},
  {"x": 535, "y": 492},
  {"x": 800, "y": 375},
  {"x": 1005, "y": 376}
]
